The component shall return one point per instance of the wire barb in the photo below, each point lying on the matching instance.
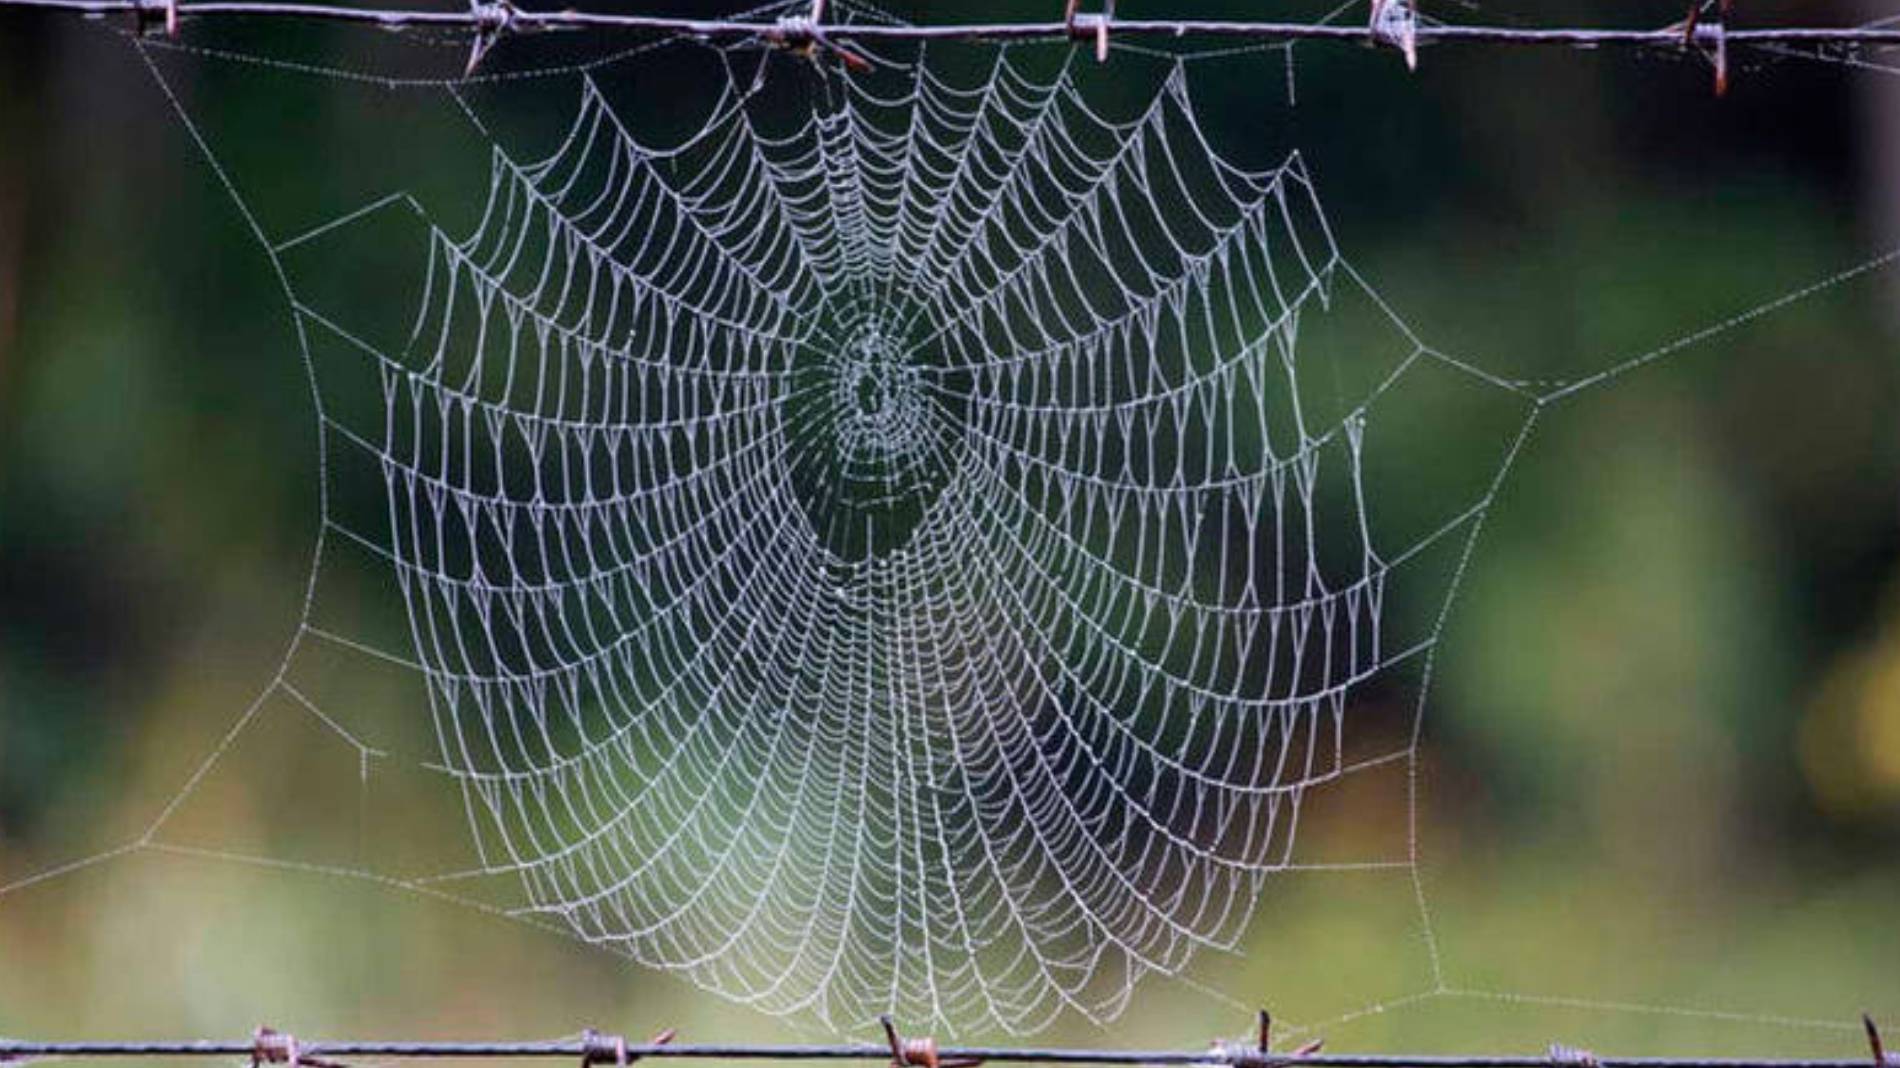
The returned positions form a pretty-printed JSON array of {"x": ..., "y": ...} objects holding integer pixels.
[
  {"x": 1708, "y": 36},
  {"x": 1395, "y": 22},
  {"x": 804, "y": 35},
  {"x": 1261, "y": 1054},
  {"x": 491, "y": 19},
  {"x": 1882, "y": 1058},
  {"x": 597, "y": 1048},
  {"x": 1562, "y": 1056},
  {"x": 919, "y": 1052},
  {"x": 147, "y": 14},
  {"x": 600, "y": 1048},
  {"x": 270, "y": 1046},
  {"x": 1089, "y": 26}
]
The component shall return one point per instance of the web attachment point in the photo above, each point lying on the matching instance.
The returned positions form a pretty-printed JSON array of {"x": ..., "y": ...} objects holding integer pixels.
[
  {"x": 1708, "y": 34},
  {"x": 492, "y": 19},
  {"x": 1261, "y": 1054},
  {"x": 147, "y": 14},
  {"x": 804, "y": 35},
  {"x": 1395, "y": 23},
  {"x": 1086, "y": 26}
]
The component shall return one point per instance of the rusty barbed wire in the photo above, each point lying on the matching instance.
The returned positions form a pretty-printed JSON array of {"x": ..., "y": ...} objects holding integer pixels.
[
  {"x": 270, "y": 1046},
  {"x": 1076, "y": 25},
  {"x": 1396, "y": 24},
  {"x": 339, "y": 1050}
]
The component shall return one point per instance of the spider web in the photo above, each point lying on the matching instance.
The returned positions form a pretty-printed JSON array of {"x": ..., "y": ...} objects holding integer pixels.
[
  {"x": 876, "y": 564},
  {"x": 917, "y": 543}
]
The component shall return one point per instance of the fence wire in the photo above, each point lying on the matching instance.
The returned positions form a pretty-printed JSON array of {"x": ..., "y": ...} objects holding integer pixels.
[
  {"x": 270, "y": 1047},
  {"x": 1392, "y": 22}
]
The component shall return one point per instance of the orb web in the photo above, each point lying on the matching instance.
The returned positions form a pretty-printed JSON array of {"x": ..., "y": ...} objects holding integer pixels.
[
  {"x": 905, "y": 544},
  {"x": 875, "y": 562}
]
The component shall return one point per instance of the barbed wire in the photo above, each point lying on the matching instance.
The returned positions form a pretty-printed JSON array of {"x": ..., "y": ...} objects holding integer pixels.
[
  {"x": 1393, "y": 23},
  {"x": 271, "y": 1047},
  {"x": 500, "y": 15}
]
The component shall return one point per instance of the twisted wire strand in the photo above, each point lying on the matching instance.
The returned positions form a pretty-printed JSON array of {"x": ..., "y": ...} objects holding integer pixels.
[
  {"x": 479, "y": 19},
  {"x": 1234, "y": 1058}
]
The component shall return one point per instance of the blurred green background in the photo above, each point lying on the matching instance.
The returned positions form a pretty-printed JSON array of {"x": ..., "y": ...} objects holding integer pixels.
[{"x": 1661, "y": 763}]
